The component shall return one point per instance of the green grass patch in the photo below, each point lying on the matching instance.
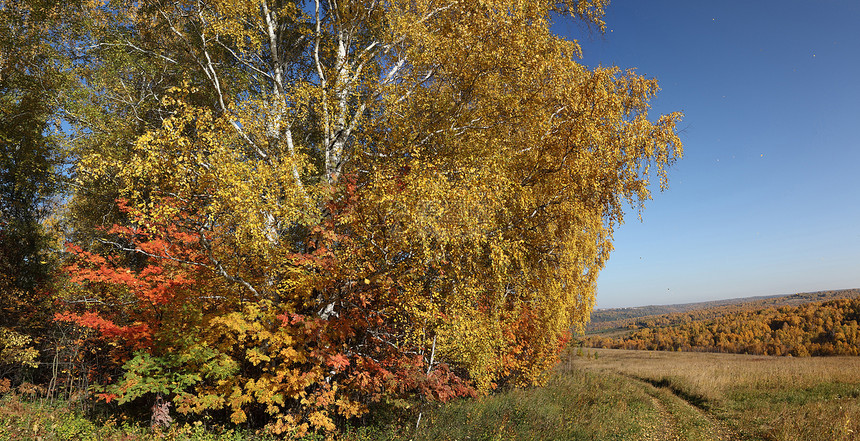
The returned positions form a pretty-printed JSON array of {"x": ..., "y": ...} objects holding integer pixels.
[
  {"x": 829, "y": 410},
  {"x": 34, "y": 419},
  {"x": 576, "y": 405}
]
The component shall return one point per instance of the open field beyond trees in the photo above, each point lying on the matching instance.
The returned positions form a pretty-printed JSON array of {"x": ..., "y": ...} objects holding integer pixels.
[{"x": 609, "y": 394}]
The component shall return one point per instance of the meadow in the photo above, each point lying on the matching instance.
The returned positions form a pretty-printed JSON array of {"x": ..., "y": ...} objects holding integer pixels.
[
  {"x": 750, "y": 397},
  {"x": 609, "y": 394},
  {"x": 603, "y": 394}
]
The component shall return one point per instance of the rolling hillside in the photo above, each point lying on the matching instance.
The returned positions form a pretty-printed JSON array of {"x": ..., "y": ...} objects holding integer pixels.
[
  {"x": 823, "y": 323},
  {"x": 664, "y": 315}
]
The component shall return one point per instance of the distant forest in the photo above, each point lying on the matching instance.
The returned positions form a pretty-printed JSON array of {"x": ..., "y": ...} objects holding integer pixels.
[
  {"x": 821, "y": 323},
  {"x": 665, "y": 315}
]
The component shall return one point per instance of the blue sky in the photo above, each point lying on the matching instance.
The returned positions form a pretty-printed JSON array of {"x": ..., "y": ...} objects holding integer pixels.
[{"x": 767, "y": 197}]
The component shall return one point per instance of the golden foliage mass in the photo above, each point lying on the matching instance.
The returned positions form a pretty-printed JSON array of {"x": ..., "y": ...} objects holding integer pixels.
[
  {"x": 816, "y": 328},
  {"x": 429, "y": 186}
]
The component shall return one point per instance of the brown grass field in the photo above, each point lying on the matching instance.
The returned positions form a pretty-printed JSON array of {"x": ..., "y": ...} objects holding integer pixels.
[{"x": 747, "y": 397}]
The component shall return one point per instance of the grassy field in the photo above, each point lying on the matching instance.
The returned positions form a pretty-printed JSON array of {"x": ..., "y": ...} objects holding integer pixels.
[
  {"x": 642, "y": 395},
  {"x": 751, "y": 397},
  {"x": 601, "y": 395}
]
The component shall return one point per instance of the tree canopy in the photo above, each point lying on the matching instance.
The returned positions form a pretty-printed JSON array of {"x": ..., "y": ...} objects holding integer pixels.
[
  {"x": 293, "y": 211},
  {"x": 29, "y": 81}
]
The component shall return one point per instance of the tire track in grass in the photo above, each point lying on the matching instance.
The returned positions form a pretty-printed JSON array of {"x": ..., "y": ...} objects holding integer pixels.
[
  {"x": 683, "y": 417},
  {"x": 689, "y": 419},
  {"x": 666, "y": 428}
]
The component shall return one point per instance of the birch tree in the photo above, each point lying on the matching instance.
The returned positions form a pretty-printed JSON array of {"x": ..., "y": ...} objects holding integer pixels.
[{"x": 358, "y": 200}]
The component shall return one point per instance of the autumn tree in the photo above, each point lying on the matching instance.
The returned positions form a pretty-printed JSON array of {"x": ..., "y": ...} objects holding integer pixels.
[
  {"x": 330, "y": 204},
  {"x": 30, "y": 76},
  {"x": 35, "y": 37},
  {"x": 816, "y": 328}
]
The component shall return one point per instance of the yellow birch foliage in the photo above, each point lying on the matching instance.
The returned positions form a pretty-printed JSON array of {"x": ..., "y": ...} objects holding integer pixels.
[
  {"x": 512, "y": 162},
  {"x": 397, "y": 197}
]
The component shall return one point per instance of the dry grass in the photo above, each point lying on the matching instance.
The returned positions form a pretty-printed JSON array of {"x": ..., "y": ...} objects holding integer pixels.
[
  {"x": 758, "y": 398},
  {"x": 712, "y": 375}
]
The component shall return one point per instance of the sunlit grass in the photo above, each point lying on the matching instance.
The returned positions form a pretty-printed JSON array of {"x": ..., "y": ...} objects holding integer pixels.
[
  {"x": 569, "y": 407},
  {"x": 766, "y": 398}
]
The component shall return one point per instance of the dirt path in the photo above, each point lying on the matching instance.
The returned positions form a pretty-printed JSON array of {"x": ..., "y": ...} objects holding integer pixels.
[
  {"x": 681, "y": 418},
  {"x": 666, "y": 430}
]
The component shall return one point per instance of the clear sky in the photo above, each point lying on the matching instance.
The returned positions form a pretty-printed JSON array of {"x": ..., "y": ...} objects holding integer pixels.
[{"x": 767, "y": 197}]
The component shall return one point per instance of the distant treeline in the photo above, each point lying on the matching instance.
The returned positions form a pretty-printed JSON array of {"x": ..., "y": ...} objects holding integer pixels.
[
  {"x": 820, "y": 328},
  {"x": 669, "y": 315}
]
